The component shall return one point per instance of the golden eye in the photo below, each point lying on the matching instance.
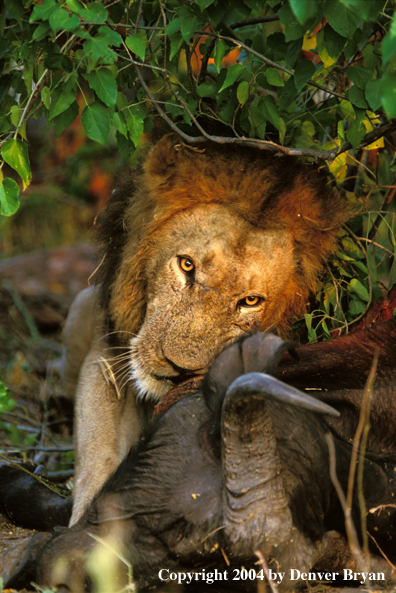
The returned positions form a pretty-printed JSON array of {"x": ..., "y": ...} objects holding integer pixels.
[
  {"x": 186, "y": 264},
  {"x": 251, "y": 301}
]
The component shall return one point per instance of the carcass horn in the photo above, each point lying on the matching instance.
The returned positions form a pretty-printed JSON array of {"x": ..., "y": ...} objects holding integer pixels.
[{"x": 255, "y": 498}]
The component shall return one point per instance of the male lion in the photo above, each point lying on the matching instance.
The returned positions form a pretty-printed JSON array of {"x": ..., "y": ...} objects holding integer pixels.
[{"x": 212, "y": 242}]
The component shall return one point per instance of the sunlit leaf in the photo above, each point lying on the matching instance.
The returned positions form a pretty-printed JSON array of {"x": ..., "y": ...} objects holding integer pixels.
[
  {"x": 137, "y": 43},
  {"x": 342, "y": 19},
  {"x": 96, "y": 122},
  {"x": 15, "y": 154},
  {"x": 9, "y": 192},
  {"x": 103, "y": 82},
  {"x": 219, "y": 53},
  {"x": 60, "y": 101},
  {"x": 243, "y": 92},
  {"x": 388, "y": 94},
  {"x": 233, "y": 74},
  {"x": 360, "y": 290}
]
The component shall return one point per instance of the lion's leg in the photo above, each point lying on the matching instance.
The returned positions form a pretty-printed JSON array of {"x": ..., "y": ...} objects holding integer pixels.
[
  {"x": 106, "y": 425},
  {"x": 83, "y": 322}
]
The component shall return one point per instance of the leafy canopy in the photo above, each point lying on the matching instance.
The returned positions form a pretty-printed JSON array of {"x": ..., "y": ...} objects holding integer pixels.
[{"x": 312, "y": 78}]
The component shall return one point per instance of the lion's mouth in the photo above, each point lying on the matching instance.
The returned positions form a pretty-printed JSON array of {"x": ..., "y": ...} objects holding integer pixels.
[
  {"x": 182, "y": 389},
  {"x": 179, "y": 379}
]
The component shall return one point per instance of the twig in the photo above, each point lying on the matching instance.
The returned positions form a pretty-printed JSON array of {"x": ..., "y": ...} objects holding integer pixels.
[
  {"x": 263, "y": 563},
  {"x": 328, "y": 155},
  {"x": 35, "y": 476},
  {"x": 239, "y": 43},
  {"x": 255, "y": 21},
  {"x": 337, "y": 295},
  {"x": 24, "y": 311},
  {"x": 376, "y": 245},
  {"x": 371, "y": 136},
  {"x": 350, "y": 528},
  {"x": 385, "y": 205},
  {"x": 381, "y": 551},
  {"x": 362, "y": 429}
]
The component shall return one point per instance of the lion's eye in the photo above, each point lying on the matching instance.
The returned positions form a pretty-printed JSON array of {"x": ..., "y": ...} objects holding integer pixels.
[
  {"x": 251, "y": 301},
  {"x": 187, "y": 265}
]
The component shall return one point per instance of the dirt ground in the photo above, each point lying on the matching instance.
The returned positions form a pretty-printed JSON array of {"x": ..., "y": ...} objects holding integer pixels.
[{"x": 36, "y": 291}]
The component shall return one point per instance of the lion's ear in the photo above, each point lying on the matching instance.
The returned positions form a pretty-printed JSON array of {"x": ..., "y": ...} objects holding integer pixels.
[{"x": 162, "y": 161}]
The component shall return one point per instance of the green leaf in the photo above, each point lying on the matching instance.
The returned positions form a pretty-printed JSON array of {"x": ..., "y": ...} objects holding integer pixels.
[
  {"x": 61, "y": 19},
  {"x": 347, "y": 112},
  {"x": 42, "y": 11},
  {"x": 125, "y": 146},
  {"x": 188, "y": 27},
  {"x": 77, "y": 6},
  {"x": 109, "y": 36},
  {"x": 389, "y": 43},
  {"x": 359, "y": 75},
  {"x": 373, "y": 94},
  {"x": 43, "y": 30},
  {"x": 96, "y": 13},
  {"x": 46, "y": 96},
  {"x": 392, "y": 273},
  {"x": 305, "y": 10},
  {"x": 243, "y": 92},
  {"x": 334, "y": 42},
  {"x": 174, "y": 26},
  {"x": 289, "y": 93},
  {"x": 9, "y": 192},
  {"x": 207, "y": 89},
  {"x": 371, "y": 265},
  {"x": 324, "y": 55},
  {"x": 388, "y": 94},
  {"x": 304, "y": 71},
  {"x": 60, "y": 101},
  {"x": 356, "y": 97},
  {"x": 360, "y": 290},
  {"x": 308, "y": 320},
  {"x": 293, "y": 29},
  {"x": 63, "y": 121},
  {"x": 368, "y": 9},
  {"x": 176, "y": 43},
  {"x": 135, "y": 125},
  {"x": 5, "y": 85},
  {"x": 103, "y": 82},
  {"x": 233, "y": 74},
  {"x": 350, "y": 248},
  {"x": 270, "y": 111},
  {"x": 96, "y": 122},
  {"x": 120, "y": 123},
  {"x": 341, "y": 19},
  {"x": 97, "y": 48},
  {"x": 15, "y": 154},
  {"x": 15, "y": 8},
  {"x": 203, "y": 4},
  {"x": 357, "y": 129},
  {"x": 137, "y": 43},
  {"x": 256, "y": 119},
  {"x": 219, "y": 53},
  {"x": 293, "y": 52},
  {"x": 273, "y": 76}
]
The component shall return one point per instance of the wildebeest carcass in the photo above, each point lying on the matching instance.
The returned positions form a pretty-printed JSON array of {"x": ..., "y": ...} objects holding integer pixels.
[{"x": 239, "y": 467}]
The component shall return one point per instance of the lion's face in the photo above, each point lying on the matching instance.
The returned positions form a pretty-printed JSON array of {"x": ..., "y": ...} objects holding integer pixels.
[{"x": 212, "y": 277}]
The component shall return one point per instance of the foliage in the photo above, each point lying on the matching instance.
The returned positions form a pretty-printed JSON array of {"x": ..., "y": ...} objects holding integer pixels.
[
  {"x": 14, "y": 434},
  {"x": 315, "y": 79}
]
